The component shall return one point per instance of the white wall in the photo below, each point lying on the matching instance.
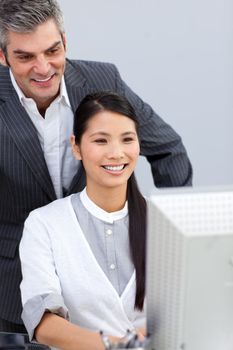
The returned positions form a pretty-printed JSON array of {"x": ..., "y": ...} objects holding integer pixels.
[{"x": 178, "y": 56}]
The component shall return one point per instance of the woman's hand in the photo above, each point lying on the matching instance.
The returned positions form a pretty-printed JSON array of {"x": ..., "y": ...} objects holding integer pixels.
[{"x": 141, "y": 332}]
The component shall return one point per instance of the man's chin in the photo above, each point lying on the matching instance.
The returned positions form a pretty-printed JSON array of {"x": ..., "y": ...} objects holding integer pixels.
[{"x": 46, "y": 93}]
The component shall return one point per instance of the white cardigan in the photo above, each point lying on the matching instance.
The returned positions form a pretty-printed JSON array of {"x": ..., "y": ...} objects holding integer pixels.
[{"x": 56, "y": 259}]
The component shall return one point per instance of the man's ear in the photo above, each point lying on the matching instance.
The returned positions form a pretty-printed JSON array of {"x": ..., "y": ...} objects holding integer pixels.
[
  {"x": 3, "y": 60},
  {"x": 64, "y": 40},
  {"x": 75, "y": 148}
]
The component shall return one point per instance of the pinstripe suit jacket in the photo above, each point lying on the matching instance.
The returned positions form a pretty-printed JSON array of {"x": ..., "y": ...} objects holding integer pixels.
[{"x": 25, "y": 183}]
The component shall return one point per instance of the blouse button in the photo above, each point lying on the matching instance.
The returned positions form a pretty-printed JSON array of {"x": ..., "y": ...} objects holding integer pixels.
[
  {"x": 109, "y": 232},
  {"x": 112, "y": 267}
]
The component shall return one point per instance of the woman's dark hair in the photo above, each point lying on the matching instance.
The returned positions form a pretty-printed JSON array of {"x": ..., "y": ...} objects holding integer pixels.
[{"x": 108, "y": 101}]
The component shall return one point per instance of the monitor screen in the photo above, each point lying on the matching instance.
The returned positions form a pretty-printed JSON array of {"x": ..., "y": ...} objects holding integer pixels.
[{"x": 189, "y": 284}]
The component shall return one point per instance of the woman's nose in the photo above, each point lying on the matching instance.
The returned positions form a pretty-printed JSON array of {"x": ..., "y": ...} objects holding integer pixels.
[{"x": 115, "y": 151}]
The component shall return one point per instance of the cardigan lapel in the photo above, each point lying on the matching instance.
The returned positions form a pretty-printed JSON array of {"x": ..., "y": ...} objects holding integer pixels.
[{"x": 24, "y": 133}]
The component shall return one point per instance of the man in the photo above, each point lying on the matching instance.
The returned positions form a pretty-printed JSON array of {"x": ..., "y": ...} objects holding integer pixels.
[{"x": 39, "y": 91}]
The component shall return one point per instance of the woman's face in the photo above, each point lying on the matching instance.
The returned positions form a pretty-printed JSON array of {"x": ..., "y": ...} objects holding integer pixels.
[{"x": 109, "y": 150}]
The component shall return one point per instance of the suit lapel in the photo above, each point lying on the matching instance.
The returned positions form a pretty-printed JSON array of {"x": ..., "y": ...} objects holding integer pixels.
[
  {"x": 76, "y": 85},
  {"x": 24, "y": 134},
  {"x": 77, "y": 88}
]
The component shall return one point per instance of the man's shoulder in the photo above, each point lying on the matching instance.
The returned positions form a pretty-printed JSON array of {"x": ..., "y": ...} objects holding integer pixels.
[
  {"x": 97, "y": 75},
  {"x": 87, "y": 65},
  {"x": 4, "y": 74},
  {"x": 4, "y": 69},
  {"x": 6, "y": 87},
  {"x": 91, "y": 69}
]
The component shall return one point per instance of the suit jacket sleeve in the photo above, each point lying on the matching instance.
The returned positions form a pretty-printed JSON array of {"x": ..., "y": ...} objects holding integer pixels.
[{"x": 160, "y": 144}]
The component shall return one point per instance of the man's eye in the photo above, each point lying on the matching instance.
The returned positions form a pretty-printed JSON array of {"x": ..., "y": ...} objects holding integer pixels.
[
  {"x": 24, "y": 57},
  {"x": 53, "y": 51}
]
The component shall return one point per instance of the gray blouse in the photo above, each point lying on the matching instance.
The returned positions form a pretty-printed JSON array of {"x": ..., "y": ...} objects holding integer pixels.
[{"x": 109, "y": 242}]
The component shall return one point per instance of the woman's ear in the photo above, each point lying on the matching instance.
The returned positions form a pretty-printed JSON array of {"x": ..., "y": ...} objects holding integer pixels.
[{"x": 75, "y": 148}]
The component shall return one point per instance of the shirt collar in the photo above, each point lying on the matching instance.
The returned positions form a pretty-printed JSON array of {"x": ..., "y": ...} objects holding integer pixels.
[
  {"x": 63, "y": 96},
  {"x": 100, "y": 213}
]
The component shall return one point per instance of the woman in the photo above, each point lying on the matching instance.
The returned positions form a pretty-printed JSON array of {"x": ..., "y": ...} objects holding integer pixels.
[{"x": 83, "y": 257}]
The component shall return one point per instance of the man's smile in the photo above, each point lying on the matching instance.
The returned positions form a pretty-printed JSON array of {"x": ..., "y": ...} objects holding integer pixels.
[{"x": 45, "y": 80}]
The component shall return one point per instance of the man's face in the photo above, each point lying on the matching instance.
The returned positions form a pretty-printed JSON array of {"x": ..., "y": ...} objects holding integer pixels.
[{"x": 37, "y": 61}]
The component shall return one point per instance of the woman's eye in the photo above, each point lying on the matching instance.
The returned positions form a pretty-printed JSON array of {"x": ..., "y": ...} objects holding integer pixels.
[
  {"x": 128, "y": 139},
  {"x": 100, "y": 141}
]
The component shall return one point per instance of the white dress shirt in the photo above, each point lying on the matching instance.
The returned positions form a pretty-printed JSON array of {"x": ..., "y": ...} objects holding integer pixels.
[{"x": 54, "y": 131}]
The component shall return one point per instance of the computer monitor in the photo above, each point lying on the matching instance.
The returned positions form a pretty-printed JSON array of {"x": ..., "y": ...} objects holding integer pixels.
[{"x": 189, "y": 284}]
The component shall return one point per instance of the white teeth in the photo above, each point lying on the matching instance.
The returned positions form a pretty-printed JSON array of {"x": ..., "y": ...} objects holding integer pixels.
[
  {"x": 42, "y": 80},
  {"x": 114, "y": 168}
]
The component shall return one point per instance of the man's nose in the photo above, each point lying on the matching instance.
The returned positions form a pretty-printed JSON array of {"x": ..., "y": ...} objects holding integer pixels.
[{"x": 42, "y": 65}]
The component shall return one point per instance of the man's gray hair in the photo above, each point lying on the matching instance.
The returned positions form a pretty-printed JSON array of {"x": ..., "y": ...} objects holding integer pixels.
[{"x": 23, "y": 16}]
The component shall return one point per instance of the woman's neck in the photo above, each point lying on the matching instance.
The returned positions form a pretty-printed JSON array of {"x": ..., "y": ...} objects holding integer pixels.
[{"x": 110, "y": 199}]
